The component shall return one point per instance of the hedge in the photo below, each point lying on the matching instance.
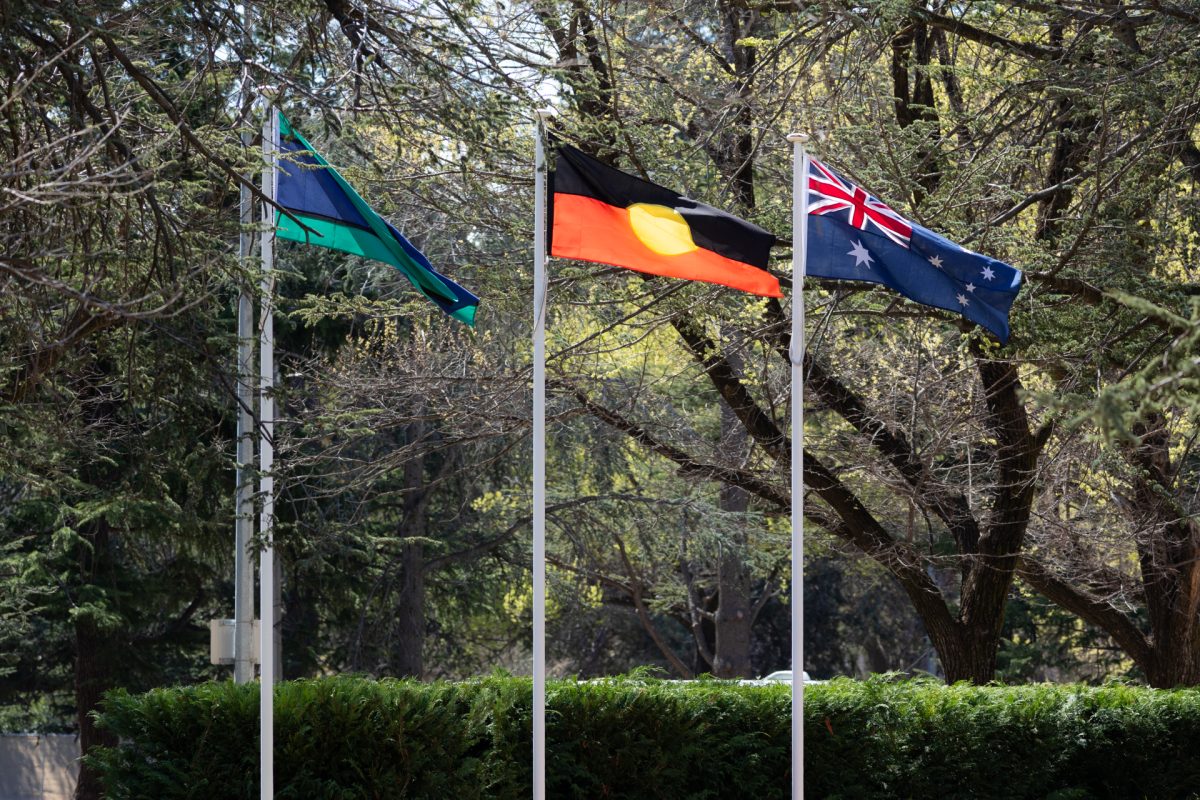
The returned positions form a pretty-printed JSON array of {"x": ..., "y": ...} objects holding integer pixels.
[{"x": 347, "y": 738}]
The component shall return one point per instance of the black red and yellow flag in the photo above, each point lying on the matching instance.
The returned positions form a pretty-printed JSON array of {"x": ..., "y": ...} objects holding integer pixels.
[{"x": 604, "y": 215}]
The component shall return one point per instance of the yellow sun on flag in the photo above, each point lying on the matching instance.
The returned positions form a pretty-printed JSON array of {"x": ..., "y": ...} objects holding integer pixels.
[{"x": 662, "y": 229}]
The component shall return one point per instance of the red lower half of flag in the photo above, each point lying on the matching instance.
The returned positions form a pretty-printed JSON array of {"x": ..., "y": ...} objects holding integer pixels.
[{"x": 591, "y": 230}]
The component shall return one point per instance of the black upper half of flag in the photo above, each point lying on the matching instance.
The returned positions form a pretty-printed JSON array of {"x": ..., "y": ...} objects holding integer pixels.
[{"x": 715, "y": 230}]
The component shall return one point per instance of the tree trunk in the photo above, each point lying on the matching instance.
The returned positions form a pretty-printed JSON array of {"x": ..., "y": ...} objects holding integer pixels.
[
  {"x": 968, "y": 656},
  {"x": 95, "y": 659},
  {"x": 733, "y": 618},
  {"x": 97, "y": 645},
  {"x": 93, "y": 677},
  {"x": 409, "y": 658},
  {"x": 410, "y": 610},
  {"x": 731, "y": 651},
  {"x": 1169, "y": 556},
  {"x": 1173, "y": 666},
  {"x": 1172, "y": 593}
]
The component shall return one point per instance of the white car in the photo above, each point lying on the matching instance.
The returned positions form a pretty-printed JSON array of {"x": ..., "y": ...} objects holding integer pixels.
[{"x": 781, "y": 676}]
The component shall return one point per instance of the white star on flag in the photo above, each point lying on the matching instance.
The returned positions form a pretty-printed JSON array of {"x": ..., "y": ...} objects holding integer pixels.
[
  {"x": 970, "y": 287},
  {"x": 861, "y": 256},
  {"x": 963, "y": 301},
  {"x": 988, "y": 273},
  {"x": 936, "y": 261}
]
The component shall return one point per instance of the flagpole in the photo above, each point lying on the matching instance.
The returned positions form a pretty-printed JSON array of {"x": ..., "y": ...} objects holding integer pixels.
[
  {"x": 539, "y": 458},
  {"x": 266, "y": 564},
  {"x": 796, "y": 356},
  {"x": 243, "y": 526}
]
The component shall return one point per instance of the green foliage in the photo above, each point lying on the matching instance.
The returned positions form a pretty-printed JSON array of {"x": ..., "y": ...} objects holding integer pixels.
[
  {"x": 1042, "y": 642},
  {"x": 1165, "y": 385},
  {"x": 921, "y": 739},
  {"x": 641, "y": 738},
  {"x": 351, "y": 738}
]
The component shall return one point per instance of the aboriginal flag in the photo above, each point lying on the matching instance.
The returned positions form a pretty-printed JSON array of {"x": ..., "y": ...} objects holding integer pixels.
[{"x": 604, "y": 215}]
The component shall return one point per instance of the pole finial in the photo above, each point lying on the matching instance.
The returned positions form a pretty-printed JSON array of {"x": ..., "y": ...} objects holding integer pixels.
[
  {"x": 268, "y": 96},
  {"x": 802, "y": 138},
  {"x": 546, "y": 113}
]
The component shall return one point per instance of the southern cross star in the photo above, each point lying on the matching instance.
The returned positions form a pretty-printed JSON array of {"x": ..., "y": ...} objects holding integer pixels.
[
  {"x": 963, "y": 301},
  {"x": 988, "y": 273},
  {"x": 861, "y": 256},
  {"x": 936, "y": 261}
]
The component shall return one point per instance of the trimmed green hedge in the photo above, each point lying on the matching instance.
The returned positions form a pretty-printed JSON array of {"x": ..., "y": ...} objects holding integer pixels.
[{"x": 349, "y": 738}]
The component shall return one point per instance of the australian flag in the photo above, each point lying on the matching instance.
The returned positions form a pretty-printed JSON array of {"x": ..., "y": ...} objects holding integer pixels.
[{"x": 852, "y": 236}]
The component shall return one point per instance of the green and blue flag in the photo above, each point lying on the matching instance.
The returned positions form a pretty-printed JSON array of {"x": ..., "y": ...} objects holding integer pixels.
[{"x": 332, "y": 215}]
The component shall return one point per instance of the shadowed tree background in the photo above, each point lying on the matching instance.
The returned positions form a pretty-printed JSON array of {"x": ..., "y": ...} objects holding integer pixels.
[{"x": 1024, "y": 512}]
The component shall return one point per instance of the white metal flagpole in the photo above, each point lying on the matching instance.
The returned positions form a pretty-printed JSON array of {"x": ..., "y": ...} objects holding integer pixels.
[
  {"x": 266, "y": 404},
  {"x": 796, "y": 355},
  {"x": 243, "y": 571},
  {"x": 539, "y": 458}
]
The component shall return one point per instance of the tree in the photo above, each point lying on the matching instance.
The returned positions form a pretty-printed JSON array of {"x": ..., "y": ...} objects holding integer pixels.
[
  {"x": 117, "y": 273},
  {"x": 108, "y": 252},
  {"x": 1088, "y": 145}
]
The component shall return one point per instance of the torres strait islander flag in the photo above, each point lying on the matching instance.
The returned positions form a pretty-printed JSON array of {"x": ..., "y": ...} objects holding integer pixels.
[
  {"x": 853, "y": 236},
  {"x": 334, "y": 216},
  {"x": 603, "y": 215}
]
